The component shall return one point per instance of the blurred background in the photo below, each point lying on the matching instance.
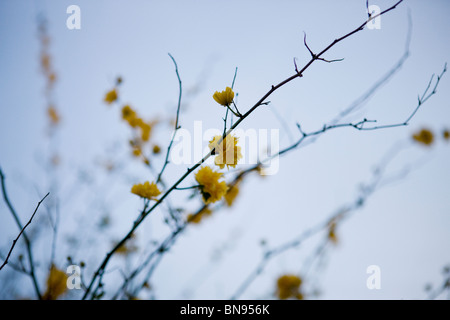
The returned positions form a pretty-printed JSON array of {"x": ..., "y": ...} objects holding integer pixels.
[{"x": 85, "y": 161}]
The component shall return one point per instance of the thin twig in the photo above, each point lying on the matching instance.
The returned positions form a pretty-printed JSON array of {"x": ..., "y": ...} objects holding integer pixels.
[
  {"x": 166, "y": 162},
  {"x": 359, "y": 102},
  {"x": 356, "y": 125},
  {"x": 100, "y": 270},
  {"x": 25, "y": 237}
]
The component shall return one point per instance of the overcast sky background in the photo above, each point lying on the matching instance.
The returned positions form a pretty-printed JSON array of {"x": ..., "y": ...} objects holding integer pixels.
[{"x": 403, "y": 228}]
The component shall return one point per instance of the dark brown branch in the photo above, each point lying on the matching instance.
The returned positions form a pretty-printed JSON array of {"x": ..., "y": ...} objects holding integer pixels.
[
  {"x": 342, "y": 213},
  {"x": 21, "y": 232},
  {"x": 25, "y": 237},
  {"x": 170, "y": 240},
  {"x": 361, "y": 124},
  {"x": 383, "y": 80}
]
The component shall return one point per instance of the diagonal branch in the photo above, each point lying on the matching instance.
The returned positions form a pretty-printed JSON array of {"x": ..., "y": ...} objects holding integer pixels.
[
  {"x": 145, "y": 213},
  {"x": 383, "y": 80},
  {"x": 166, "y": 162},
  {"x": 21, "y": 232},
  {"x": 313, "y": 55},
  {"x": 342, "y": 213},
  {"x": 25, "y": 237}
]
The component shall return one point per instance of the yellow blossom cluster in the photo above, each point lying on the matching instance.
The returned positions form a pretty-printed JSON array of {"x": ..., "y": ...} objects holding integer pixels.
[
  {"x": 427, "y": 137},
  {"x": 288, "y": 286},
  {"x": 113, "y": 95},
  {"x": 46, "y": 61},
  {"x": 424, "y": 136},
  {"x": 56, "y": 284},
  {"x": 227, "y": 151},
  {"x": 136, "y": 122},
  {"x": 211, "y": 188},
  {"x": 53, "y": 115},
  {"x": 48, "y": 72},
  {"x": 146, "y": 190}
]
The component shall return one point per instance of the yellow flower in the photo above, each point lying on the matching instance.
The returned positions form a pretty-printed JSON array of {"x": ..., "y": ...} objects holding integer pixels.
[
  {"x": 212, "y": 190},
  {"x": 45, "y": 62},
  {"x": 156, "y": 149},
  {"x": 137, "y": 151},
  {"x": 196, "y": 218},
  {"x": 111, "y": 96},
  {"x": 231, "y": 195},
  {"x": 128, "y": 113},
  {"x": 332, "y": 232},
  {"x": 52, "y": 77},
  {"x": 56, "y": 284},
  {"x": 146, "y": 190},
  {"x": 225, "y": 97},
  {"x": 228, "y": 152},
  {"x": 145, "y": 131},
  {"x": 424, "y": 136},
  {"x": 135, "y": 121},
  {"x": 446, "y": 135},
  {"x": 288, "y": 286},
  {"x": 53, "y": 115}
]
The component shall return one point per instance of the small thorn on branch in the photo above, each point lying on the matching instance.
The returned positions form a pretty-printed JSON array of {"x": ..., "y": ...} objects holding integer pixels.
[
  {"x": 307, "y": 47},
  {"x": 313, "y": 55}
]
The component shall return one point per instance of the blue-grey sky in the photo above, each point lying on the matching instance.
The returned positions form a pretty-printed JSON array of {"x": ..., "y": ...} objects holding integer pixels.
[{"x": 403, "y": 228}]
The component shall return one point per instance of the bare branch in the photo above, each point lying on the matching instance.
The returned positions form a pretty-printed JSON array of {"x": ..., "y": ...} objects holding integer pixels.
[
  {"x": 383, "y": 80},
  {"x": 22, "y": 231},
  {"x": 342, "y": 213},
  {"x": 145, "y": 213},
  {"x": 27, "y": 240},
  {"x": 176, "y": 121}
]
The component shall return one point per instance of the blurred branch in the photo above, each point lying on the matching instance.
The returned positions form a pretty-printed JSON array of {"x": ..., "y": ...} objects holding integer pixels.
[
  {"x": 261, "y": 101},
  {"x": 361, "y": 125},
  {"x": 27, "y": 240},
  {"x": 156, "y": 255},
  {"x": 342, "y": 213},
  {"x": 170, "y": 240}
]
